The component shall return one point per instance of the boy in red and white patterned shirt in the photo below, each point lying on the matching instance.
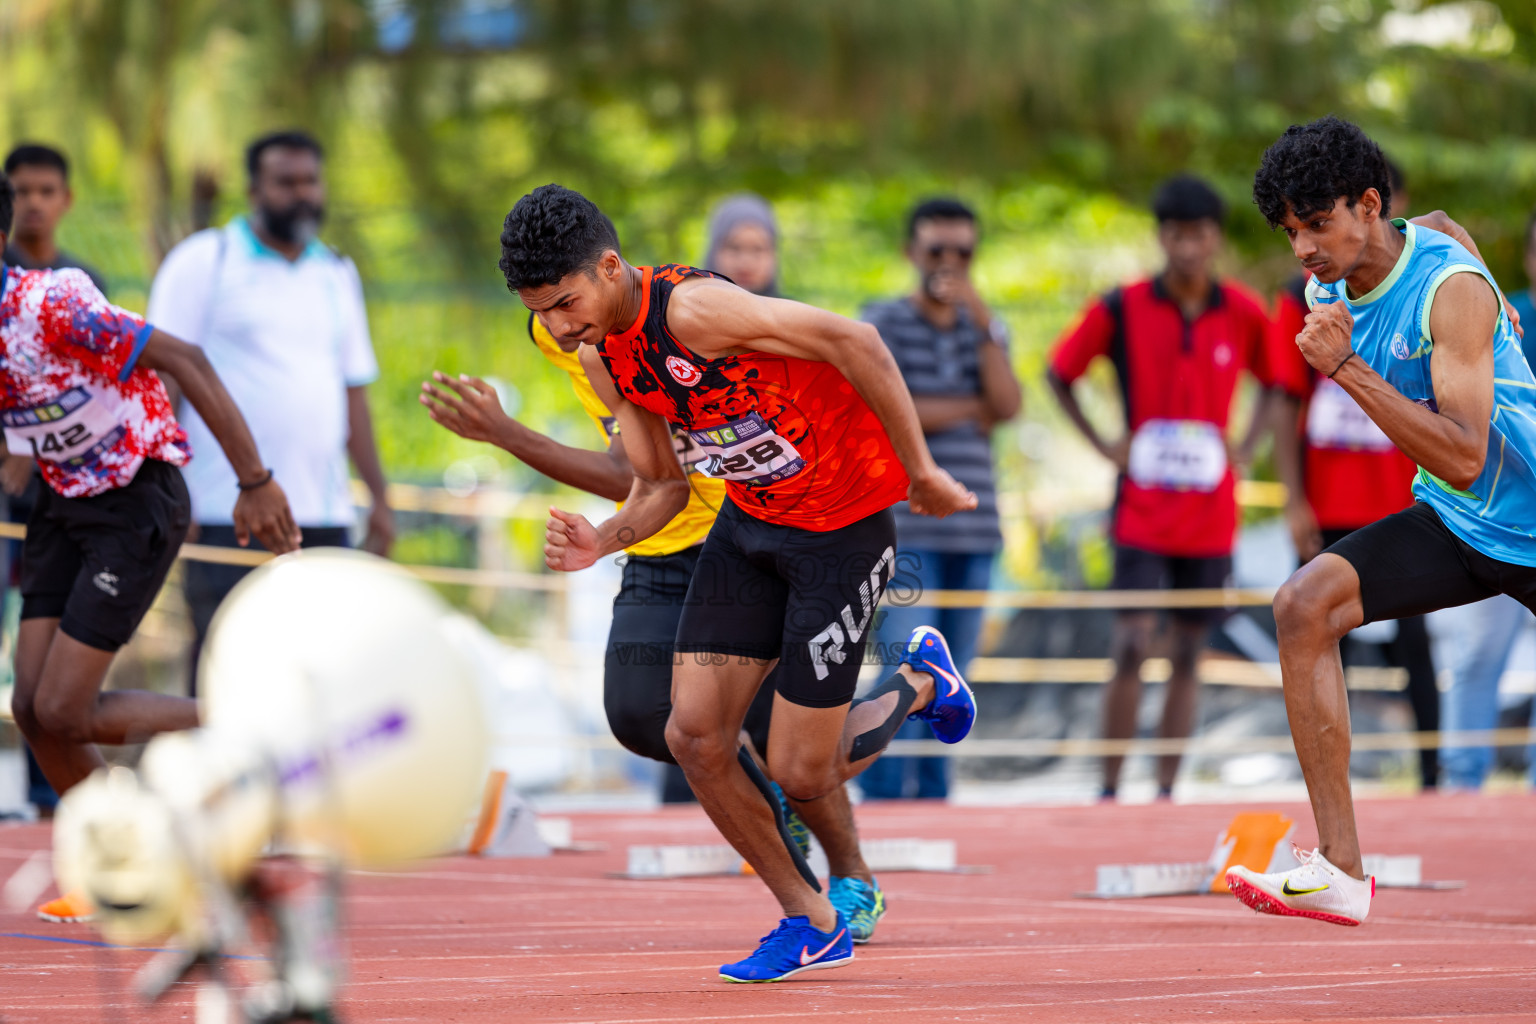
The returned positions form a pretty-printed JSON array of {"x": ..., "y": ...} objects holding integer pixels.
[{"x": 79, "y": 393}]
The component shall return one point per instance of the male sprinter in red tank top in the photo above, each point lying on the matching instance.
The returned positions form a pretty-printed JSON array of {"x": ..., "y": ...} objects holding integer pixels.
[{"x": 804, "y": 414}]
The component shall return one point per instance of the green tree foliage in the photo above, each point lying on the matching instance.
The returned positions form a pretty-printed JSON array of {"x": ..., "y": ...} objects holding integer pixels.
[
  {"x": 652, "y": 103},
  {"x": 1056, "y": 119}
]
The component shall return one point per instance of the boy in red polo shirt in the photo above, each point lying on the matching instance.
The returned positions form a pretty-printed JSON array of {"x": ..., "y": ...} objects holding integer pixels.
[{"x": 1178, "y": 342}]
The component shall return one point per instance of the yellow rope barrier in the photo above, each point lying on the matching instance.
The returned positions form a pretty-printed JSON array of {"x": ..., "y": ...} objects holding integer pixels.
[
  {"x": 1213, "y": 672},
  {"x": 559, "y": 583},
  {"x": 504, "y": 505},
  {"x": 1210, "y": 746},
  {"x": 1090, "y": 599}
]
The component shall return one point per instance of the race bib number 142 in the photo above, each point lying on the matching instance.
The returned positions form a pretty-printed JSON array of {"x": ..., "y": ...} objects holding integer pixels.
[
  {"x": 73, "y": 428},
  {"x": 747, "y": 451}
]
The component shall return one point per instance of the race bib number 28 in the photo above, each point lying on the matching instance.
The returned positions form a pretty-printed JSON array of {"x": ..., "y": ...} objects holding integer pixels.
[
  {"x": 747, "y": 451},
  {"x": 72, "y": 428}
]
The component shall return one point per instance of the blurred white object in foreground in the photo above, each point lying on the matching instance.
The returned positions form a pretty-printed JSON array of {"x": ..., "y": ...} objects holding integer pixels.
[{"x": 340, "y": 714}]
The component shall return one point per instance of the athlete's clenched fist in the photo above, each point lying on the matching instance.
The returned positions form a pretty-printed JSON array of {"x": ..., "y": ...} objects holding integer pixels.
[
  {"x": 570, "y": 541},
  {"x": 936, "y": 493},
  {"x": 1328, "y": 338}
]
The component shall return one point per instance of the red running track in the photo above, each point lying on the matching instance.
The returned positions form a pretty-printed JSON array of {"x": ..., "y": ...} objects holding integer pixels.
[{"x": 554, "y": 940}]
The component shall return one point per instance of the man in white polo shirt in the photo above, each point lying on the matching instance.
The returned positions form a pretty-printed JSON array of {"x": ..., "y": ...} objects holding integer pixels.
[{"x": 281, "y": 317}]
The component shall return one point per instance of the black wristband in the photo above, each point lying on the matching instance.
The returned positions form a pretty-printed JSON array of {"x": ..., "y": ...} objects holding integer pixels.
[
  {"x": 266, "y": 478},
  {"x": 1336, "y": 369}
]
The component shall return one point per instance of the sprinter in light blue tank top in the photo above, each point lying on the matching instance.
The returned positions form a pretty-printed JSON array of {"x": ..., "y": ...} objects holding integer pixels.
[
  {"x": 1496, "y": 514},
  {"x": 1406, "y": 318}
]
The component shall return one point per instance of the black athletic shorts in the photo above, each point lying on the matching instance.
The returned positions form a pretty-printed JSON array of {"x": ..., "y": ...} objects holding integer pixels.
[
  {"x": 1411, "y": 563},
  {"x": 1139, "y": 569},
  {"x": 97, "y": 563},
  {"x": 808, "y": 598}
]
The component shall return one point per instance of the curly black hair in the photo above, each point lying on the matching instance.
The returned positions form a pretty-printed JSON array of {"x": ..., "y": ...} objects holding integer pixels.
[
  {"x": 1312, "y": 165},
  {"x": 551, "y": 232}
]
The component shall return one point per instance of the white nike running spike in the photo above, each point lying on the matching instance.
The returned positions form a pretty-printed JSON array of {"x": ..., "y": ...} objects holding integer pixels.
[{"x": 1314, "y": 889}]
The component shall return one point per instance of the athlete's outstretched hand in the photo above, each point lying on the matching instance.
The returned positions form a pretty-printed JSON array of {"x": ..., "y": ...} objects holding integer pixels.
[
  {"x": 467, "y": 406},
  {"x": 938, "y": 494},
  {"x": 570, "y": 541},
  {"x": 264, "y": 512},
  {"x": 1328, "y": 338}
]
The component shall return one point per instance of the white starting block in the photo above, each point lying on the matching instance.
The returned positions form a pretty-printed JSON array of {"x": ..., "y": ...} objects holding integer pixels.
[
  {"x": 883, "y": 856},
  {"x": 1257, "y": 840},
  {"x": 508, "y": 827}
]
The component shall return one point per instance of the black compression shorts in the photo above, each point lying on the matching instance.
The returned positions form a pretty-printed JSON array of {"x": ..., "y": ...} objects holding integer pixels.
[
  {"x": 1411, "y": 563},
  {"x": 97, "y": 563},
  {"x": 808, "y": 598}
]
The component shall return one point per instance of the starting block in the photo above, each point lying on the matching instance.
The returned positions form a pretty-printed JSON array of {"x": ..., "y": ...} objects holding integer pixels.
[
  {"x": 508, "y": 827},
  {"x": 884, "y": 856},
  {"x": 1260, "y": 841}
]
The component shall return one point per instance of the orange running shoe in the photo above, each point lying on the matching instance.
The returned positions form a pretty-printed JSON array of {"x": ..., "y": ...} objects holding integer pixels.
[{"x": 71, "y": 908}]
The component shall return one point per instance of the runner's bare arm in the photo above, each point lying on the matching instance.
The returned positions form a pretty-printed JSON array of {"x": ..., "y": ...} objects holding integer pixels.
[
  {"x": 1441, "y": 221},
  {"x": 469, "y": 407},
  {"x": 1000, "y": 390},
  {"x": 1451, "y": 443},
  {"x": 261, "y": 510},
  {"x": 659, "y": 491},
  {"x": 715, "y": 318}
]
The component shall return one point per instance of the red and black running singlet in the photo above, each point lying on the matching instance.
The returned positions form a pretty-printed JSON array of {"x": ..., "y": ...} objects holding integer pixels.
[{"x": 793, "y": 440}]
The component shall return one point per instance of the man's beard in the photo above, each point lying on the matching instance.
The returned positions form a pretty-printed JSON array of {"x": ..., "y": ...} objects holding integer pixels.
[{"x": 294, "y": 225}]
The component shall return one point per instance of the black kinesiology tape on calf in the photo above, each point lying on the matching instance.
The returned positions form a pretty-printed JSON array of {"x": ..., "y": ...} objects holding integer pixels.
[
  {"x": 868, "y": 744},
  {"x": 761, "y": 782}
]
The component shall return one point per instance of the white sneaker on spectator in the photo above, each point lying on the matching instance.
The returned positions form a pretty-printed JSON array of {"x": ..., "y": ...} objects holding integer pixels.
[{"x": 1314, "y": 889}]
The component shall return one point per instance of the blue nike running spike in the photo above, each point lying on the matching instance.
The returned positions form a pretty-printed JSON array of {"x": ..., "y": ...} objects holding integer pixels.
[
  {"x": 794, "y": 946},
  {"x": 953, "y": 709}
]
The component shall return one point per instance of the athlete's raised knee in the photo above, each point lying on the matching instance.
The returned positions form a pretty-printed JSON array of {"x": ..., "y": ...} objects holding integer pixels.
[
  {"x": 700, "y": 746},
  {"x": 642, "y": 734},
  {"x": 1321, "y": 599},
  {"x": 24, "y": 711},
  {"x": 638, "y": 724},
  {"x": 62, "y": 719},
  {"x": 804, "y": 781}
]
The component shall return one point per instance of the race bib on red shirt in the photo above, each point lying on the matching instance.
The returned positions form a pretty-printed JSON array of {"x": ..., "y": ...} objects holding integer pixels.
[
  {"x": 1336, "y": 421},
  {"x": 746, "y": 451},
  {"x": 1180, "y": 455}
]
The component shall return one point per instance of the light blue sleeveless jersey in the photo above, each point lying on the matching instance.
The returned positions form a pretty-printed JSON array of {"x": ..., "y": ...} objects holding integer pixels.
[{"x": 1497, "y": 514}]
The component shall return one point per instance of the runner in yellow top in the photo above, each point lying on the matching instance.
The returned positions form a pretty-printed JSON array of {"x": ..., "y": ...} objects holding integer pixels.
[
  {"x": 637, "y": 670},
  {"x": 694, "y": 521}
]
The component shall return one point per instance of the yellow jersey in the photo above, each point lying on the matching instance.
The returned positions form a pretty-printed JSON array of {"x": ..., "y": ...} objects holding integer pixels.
[{"x": 706, "y": 495}]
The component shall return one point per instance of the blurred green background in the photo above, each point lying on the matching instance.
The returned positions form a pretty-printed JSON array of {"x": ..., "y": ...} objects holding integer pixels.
[{"x": 1056, "y": 120}]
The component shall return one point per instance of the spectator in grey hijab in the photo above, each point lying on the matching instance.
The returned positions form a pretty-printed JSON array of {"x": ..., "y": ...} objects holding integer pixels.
[{"x": 744, "y": 243}]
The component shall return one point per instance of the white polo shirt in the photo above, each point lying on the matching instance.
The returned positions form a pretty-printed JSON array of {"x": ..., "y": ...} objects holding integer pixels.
[{"x": 287, "y": 340}]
